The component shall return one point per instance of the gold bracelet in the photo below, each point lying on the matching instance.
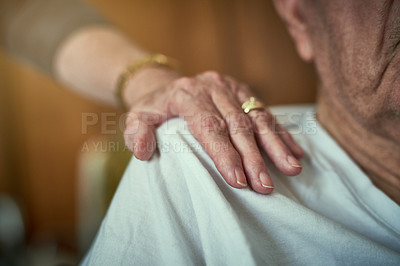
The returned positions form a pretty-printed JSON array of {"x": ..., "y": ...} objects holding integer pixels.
[{"x": 154, "y": 59}]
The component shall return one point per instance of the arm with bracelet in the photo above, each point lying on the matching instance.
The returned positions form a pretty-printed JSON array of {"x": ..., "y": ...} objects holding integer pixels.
[{"x": 70, "y": 41}]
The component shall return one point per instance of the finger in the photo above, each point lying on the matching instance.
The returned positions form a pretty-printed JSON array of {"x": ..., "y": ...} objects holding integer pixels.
[
  {"x": 272, "y": 144},
  {"x": 278, "y": 150},
  {"x": 243, "y": 93},
  {"x": 242, "y": 137},
  {"x": 211, "y": 131},
  {"x": 191, "y": 102},
  {"x": 207, "y": 126},
  {"x": 287, "y": 138},
  {"x": 139, "y": 133}
]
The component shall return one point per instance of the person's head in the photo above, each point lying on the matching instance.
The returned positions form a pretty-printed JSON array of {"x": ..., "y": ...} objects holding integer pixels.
[{"x": 355, "y": 46}]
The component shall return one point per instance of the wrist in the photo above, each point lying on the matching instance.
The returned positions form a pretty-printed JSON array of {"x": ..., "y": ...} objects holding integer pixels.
[{"x": 147, "y": 80}]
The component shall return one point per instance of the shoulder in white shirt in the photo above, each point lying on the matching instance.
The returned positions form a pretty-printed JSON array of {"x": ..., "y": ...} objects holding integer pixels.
[{"x": 176, "y": 209}]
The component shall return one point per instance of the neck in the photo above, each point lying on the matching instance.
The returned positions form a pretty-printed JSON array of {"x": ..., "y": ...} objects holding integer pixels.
[{"x": 379, "y": 158}]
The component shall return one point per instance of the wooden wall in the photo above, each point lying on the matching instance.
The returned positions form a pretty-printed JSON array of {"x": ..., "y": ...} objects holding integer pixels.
[{"x": 40, "y": 126}]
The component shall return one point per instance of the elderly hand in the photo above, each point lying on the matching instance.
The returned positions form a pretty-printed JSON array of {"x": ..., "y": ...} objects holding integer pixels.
[{"x": 211, "y": 105}]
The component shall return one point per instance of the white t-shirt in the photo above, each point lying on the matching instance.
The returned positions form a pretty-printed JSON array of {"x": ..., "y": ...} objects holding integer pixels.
[{"x": 176, "y": 209}]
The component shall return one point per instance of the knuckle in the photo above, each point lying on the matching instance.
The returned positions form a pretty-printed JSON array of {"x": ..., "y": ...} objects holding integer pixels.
[
  {"x": 242, "y": 132},
  {"x": 149, "y": 118},
  {"x": 262, "y": 116},
  {"x": 264, "y": 121},
  {"x": 234, "y": 84},
  {"x": 255, "y": 160},
  {"x": 131, "y": 118},
  {"x": 132, "y": 128},
  {"x": 182, "y": 89},
  {"x": 212, "y": 123},
  {"x": 239, "y": 123},
  {"x": 282, "y": 132},
  {"x": 184, "y": 82},
  {"x": 214, "y": 75},
  {"x": 228, "y": 158},
  {"x": 141, "y": 140}
]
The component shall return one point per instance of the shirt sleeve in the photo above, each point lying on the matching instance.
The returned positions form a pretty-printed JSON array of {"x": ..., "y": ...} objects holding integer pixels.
[{"x": 33, "y": 29}]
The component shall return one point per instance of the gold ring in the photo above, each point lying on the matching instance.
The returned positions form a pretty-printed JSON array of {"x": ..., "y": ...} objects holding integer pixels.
[{"x": 252, "y": 104}]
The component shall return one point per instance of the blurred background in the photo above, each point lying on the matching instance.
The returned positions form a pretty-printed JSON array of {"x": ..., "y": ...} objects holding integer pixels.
[{"x": 56, "y": 180}]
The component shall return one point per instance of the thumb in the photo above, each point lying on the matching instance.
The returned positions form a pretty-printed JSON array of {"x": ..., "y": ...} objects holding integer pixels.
[{"x": 139, "y": 133}]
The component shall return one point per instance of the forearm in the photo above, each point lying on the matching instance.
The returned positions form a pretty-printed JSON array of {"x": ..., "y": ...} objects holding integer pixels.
[{"x": 91, "y": 61}]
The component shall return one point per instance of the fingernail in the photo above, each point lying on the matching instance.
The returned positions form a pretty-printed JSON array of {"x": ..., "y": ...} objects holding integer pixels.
[
  {"x": 293, "y": 162},
  {"x": 265, "y": 181},
  {"x": 240, "y": 177}
]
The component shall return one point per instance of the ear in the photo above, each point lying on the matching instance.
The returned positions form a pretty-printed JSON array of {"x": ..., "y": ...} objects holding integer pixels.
[{"x": 290, "y": 12}]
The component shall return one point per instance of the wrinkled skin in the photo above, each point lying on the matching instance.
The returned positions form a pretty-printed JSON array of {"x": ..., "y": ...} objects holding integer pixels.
[
  {"x": 211, "y": 105},
  {"x": 355, "y": 47}
]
